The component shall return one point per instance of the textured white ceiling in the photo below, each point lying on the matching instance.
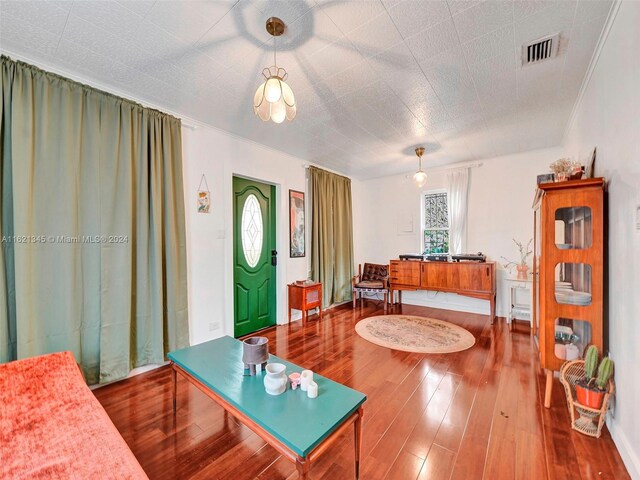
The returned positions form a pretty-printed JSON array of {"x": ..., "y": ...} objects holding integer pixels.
[{"x": 372, "y": 79}]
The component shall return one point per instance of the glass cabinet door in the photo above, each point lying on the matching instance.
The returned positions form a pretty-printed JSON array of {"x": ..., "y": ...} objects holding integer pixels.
[
  {"x": 571, "y": 338},
  {"x": 573, "y": 228},
  {"x": 573, "y": 284}
]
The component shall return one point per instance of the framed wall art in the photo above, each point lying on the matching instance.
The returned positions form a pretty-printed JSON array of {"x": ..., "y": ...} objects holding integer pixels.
[{"x": 296, "y": 224}]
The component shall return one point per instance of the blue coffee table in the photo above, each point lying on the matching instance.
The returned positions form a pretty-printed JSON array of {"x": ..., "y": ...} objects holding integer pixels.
[{"x": 298, "y": 427}]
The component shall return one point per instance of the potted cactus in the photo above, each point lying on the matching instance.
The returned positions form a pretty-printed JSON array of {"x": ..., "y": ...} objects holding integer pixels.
[{"x": 591, "y": 389}]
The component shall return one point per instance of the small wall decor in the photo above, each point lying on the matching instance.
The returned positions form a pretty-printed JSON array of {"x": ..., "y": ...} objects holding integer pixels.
[
  {"x": 204, "y": 201},
  {"x": 296, "y": 224}
]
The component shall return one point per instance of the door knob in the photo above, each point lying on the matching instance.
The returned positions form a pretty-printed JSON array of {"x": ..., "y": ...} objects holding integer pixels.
[{"x": 274, "y": 257}]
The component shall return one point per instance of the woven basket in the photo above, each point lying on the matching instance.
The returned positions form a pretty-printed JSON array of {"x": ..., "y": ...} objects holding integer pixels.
[{"x": 583, "y": 419}]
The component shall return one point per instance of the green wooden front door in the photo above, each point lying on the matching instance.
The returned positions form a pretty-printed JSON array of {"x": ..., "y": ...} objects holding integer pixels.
[{"x": 254, "y": 256}]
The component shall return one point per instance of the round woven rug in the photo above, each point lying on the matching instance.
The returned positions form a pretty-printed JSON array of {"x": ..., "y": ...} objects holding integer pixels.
[{"x": 415, "y": 334}]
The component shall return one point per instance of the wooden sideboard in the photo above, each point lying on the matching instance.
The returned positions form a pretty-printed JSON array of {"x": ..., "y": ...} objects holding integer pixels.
[{"x": 470, "y": 279}]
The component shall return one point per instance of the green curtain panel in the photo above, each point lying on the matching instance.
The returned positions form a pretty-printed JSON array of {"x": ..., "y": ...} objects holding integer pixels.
[
  {"x": 331, "y": 235},
  {"x": 92, "y": 223}
]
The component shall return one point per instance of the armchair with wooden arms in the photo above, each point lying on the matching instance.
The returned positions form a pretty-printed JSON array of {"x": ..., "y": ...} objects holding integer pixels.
[{"x": 372, "y": 279}]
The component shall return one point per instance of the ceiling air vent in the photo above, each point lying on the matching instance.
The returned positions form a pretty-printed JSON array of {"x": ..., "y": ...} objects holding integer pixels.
[{"x": 539, "y": 50}]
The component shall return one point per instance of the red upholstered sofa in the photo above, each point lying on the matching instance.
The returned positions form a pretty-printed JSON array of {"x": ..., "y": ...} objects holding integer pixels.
[{"x": 52, "y": 426}]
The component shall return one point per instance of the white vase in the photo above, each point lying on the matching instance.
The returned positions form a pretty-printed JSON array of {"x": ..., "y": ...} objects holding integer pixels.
[
  {"x": 312, "y": 389},
  {"x": 305, "y": 377},
  {"x": 275, "y": 382}
]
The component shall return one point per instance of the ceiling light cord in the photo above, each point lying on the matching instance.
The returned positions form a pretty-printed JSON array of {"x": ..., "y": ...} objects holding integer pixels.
[{"x": 275, "y": 63}]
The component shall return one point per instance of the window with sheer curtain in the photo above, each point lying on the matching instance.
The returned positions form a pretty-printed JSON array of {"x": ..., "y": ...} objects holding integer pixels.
[{"x": 435, "y": 222}]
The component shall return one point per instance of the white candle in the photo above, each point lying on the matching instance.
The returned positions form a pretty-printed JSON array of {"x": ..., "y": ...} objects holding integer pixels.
[
  {"x": 305, "y": 378},
  {"x": 312, "y": 389}
]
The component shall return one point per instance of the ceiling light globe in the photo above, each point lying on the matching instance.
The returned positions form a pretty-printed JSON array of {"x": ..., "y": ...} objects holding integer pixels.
[
  {"x": 420, "y": 178},
  {"x": 291, "y": 112},
  {"x": 287, "y": 94},
  {"x": 260, "y": 106},
  {"x": 278, "y": 111},
  {"x": 264, "y": 111},
  {"x": 273, "y": 90}
]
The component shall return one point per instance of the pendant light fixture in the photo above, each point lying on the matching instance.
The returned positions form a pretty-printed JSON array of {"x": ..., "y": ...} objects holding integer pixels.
[
  {"x": 420, "y": 178},
  {"x": 274, "y": 99}
]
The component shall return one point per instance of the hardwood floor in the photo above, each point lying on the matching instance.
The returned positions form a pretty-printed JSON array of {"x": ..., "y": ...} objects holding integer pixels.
[{"x": 467, "y": 415}]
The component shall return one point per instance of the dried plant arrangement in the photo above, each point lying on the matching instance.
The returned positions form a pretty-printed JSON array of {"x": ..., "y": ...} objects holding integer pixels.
[{"x": 525, "y": 253}]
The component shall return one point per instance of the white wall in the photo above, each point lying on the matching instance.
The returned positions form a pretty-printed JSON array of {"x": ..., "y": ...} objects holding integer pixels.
[
  {"x": 500, "y": 196},
  {"x": 608, "y": 117},
  {"x": 220, "y": 156}
]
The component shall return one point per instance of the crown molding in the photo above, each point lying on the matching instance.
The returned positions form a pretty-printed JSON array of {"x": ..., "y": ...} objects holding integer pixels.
[{"x": 613, "y": 12}]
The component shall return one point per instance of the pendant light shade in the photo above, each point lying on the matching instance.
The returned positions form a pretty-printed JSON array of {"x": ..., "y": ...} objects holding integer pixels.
[
  {"x": 273, "y": 89},
  {"x": 420, "y": 178},
  {"x": 274, "y": 99}
]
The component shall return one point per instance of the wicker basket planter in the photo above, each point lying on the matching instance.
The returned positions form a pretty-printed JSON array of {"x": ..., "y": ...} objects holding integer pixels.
[{"x": 583, "y": 419}]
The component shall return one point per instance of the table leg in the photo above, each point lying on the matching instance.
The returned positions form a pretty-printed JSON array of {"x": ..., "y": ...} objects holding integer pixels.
[
  {"x": 357, "y": 427},
  {"x": 547, "y": 390},
  {"x": 303, "y": 468},
  {"x": 174, "y": 386},
  {"x": 492, "y": 305}
]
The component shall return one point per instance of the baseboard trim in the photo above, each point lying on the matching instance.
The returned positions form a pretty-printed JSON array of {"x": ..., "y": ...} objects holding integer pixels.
[
  {"x": 136, "y": 371},
  {"x": 629, "y": 457},
  {"x": 482, "y": 309}
]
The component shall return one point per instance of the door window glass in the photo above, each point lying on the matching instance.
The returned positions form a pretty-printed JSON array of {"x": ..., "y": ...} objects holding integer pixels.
[{"x": 251, "y": 230}]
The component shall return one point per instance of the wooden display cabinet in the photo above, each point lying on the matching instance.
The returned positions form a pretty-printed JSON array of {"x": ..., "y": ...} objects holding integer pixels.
[{"x": 568, "y": 272}]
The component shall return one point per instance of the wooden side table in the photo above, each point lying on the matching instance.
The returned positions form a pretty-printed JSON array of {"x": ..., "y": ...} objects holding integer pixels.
[{"x": 305, "y": 297}]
